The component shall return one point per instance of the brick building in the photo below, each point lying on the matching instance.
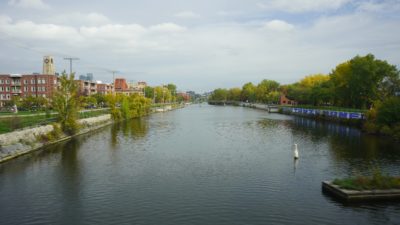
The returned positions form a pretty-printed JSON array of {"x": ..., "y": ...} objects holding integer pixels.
[
  {"x": 121, "y": 86},
  {"x": 26, "y": 85}
]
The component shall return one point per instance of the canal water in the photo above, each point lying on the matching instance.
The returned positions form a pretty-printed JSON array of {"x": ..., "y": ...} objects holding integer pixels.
[{"x": 198, "y": 165}]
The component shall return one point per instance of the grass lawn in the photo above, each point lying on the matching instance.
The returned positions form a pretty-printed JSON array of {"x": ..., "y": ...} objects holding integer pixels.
[
  {"x": 22, "y": 113},
  {"x": 13, "y": 123},
  {"x": 88, "y": 114}
]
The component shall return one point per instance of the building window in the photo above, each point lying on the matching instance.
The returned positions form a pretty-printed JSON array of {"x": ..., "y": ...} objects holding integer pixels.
[
  {"x": 25, "y": 81},
  {"x": 33, "y": 89},
  {"x": 25, "y": 88},
  {"x": 33, "y": 81},
  {"x": 8, "y": 96},
  {"x": 43, "y": 88},
  {"x": 1, "y": 81},
  {"x": 7, "y": 81},
  {"x": 7, "y": 88},
  {"x": 43, "y": 81}
]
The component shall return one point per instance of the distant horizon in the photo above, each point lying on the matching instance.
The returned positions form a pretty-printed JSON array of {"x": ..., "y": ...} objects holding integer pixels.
[{"x": 199, "y": 46}]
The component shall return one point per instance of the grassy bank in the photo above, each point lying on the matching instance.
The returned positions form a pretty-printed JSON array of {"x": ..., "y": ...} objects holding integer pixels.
[{"x": 17, "y": 121}]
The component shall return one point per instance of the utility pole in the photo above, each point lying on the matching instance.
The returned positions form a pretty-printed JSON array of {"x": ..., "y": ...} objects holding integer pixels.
[
  {"x": 113, "y": 81},
  {"x": 70, "y": 63}
]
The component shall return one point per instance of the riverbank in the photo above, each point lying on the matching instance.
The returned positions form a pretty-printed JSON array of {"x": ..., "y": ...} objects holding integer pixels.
[
  {"x": 343, "y": 117},
  {"x": 17, "y": 143},
  {"x": 21, "y": 142}
]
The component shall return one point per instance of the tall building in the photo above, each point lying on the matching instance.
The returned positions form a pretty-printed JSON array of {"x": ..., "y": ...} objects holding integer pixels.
[
  {"x": 88, "y": 77},
  {"x": 48, "y": 65}
]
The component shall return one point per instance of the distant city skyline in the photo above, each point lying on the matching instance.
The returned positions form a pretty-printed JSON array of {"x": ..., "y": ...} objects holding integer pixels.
[{"x": 197, "y": 45}]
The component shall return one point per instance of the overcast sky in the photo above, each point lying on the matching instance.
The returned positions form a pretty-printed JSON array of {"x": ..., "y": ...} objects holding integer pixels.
[{"x": 198, "y": 45}]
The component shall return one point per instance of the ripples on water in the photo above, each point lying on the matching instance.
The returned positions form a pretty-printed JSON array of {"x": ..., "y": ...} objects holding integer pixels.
[{"x": 199, "y": 165}]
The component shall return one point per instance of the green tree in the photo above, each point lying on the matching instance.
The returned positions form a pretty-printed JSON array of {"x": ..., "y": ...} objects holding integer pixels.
[
  {"x": 100, "y": 99},
  {"x": 113, "y": 101},
  {"x": 172, "y": 89},
  {"x": 219, "y": 95},
  {"x": 149, "y": 92},
  {"x": 264, "y": 88},
  {"x": 65, "y": 102},
  {"x": 87, "y": 101},
  {"x": 125, "y": 110},
  {"x": 363, "y": 80},
  {"x": 248, "y": 92},
  {"x": 234, "y": 94},
  {"x": 163, "y": 95}
]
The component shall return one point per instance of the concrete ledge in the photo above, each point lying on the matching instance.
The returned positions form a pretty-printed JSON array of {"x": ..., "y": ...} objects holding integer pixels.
[{"x": 364, "y": 195}]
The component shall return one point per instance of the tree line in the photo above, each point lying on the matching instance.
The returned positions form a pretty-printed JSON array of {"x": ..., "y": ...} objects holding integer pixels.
[
  {"x": 362, "y": 82},
  {"x": 357, "y": 83}
]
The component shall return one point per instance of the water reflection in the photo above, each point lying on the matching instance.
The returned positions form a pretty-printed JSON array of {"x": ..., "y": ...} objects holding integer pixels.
[
  {"x": 70, "y": 180},
  {"x": 347, "y": 144},
  {"x": 135, "y": 128},
  {"x": 199, "y": 165}
]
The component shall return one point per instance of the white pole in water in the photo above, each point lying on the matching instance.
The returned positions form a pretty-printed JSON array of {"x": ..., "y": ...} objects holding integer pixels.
[{"x": 295, "y": 152}]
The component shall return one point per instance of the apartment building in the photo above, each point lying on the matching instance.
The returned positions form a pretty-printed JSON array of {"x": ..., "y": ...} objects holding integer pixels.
[{"x": 26, "y": 85}]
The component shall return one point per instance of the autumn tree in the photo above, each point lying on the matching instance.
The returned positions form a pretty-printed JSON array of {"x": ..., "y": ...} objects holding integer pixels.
[{"x": 65, "y": 102}]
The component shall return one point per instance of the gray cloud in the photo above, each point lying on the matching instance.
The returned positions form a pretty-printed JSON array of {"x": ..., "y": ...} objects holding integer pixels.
[{"x": 228, "y": 47}]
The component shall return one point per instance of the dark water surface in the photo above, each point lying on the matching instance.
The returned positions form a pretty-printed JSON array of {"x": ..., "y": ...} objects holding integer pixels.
[{"x": 198, "y": 165}]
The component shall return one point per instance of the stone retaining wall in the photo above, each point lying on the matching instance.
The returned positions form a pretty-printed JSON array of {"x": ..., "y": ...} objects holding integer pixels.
[{"x": 20, "y": 142}]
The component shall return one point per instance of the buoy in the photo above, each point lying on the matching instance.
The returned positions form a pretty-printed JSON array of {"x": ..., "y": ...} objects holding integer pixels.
[{"x": 295, "y": 152}]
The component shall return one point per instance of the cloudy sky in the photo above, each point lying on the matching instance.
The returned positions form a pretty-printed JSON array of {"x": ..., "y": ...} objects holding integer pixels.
[{"x": 198, "y": 45}]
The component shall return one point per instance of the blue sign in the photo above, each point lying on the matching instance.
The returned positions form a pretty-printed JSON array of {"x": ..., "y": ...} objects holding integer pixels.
[
  {"x": 343, "y": 115},
  {"x": 356, "y": 116}
]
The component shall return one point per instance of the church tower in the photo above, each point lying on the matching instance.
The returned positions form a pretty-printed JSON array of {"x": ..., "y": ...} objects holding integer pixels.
[{"x": 48, "y": 65}]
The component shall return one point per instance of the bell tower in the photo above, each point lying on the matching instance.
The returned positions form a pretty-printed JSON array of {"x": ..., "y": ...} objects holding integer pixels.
[{"x": 48, "y": 65}]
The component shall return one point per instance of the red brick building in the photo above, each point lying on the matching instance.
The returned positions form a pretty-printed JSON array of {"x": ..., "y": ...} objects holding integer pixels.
[
  {"x": 120, "y": 85},
  {"x": 26, "y": 85}
]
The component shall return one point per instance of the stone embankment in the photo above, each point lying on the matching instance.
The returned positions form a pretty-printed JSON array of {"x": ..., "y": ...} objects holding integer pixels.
[{"x": 20, "y": 142}]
